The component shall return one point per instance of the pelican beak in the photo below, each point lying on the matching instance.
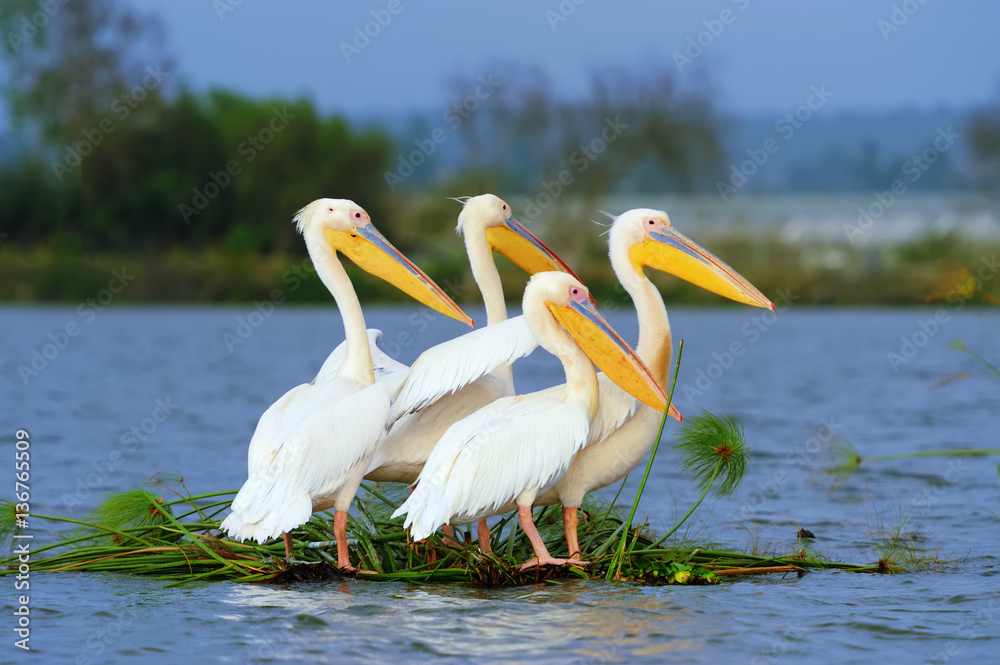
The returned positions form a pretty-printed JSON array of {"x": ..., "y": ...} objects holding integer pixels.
[
  {"x": 608, "y": 351},
  {"x": 526, "y": 251},
  {"x": 672, "y": 252},
  {"x": 371, "y": 252}
]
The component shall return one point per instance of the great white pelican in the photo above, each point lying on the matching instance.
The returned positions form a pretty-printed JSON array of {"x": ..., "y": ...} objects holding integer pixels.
[
  {"x": 623, "y": 430},
  {"x": 516, "y": 447},
  {"x": 312, "y": 447}
]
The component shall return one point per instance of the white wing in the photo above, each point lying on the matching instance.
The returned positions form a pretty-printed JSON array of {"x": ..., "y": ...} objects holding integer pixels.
[
  {"x": 388, "y": 370},
  {"x": 451, "y": 365},
  {"x": 334, "y": 428},
  {"x": 265, "y": 437},
  {"x": 488, "y": 459}
]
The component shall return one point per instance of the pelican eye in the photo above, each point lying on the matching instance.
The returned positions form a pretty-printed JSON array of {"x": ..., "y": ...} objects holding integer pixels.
[{"x": 357, "y": 215}]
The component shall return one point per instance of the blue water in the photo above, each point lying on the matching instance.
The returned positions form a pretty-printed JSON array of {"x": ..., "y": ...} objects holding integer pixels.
[{"x": 796, "y": 376}]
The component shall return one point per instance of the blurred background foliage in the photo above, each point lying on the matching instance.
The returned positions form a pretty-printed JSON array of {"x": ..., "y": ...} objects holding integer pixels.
[{"x": 199, "y": 188}]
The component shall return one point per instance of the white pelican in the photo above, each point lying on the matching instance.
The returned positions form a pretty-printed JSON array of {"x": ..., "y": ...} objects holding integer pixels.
[
  {"x": 516, "y": 447},
  {"x": 487, "y": 225},
  {"x": 623, "y": 431},
  {"x": 311, "y": 447}
]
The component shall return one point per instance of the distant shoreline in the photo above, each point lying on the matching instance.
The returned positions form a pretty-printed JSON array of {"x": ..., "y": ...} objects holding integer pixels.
[{"x": 929, "y": 270}]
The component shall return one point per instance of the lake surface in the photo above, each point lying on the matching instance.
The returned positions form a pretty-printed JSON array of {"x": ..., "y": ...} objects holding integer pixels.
[{"x": 208, "y": 373}]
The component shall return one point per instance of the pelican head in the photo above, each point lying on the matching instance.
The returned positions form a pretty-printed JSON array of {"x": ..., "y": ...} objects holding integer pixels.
[
  {"x": 492, "y": 216},
  {"x": 653, "y": 242},
  {"x": 570, "y": 303},
  {"x": 345, "y": 227}
]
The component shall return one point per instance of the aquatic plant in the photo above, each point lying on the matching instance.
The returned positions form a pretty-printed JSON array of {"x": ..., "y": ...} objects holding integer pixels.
[
  {"x": 614, "y": 570},
  {"x": 712, "y": 449},
  {"x": 896, "y": 532},
  {"x": 182, "y": 545},
  {"x": 847, "y": 459},
  {"x": 178, "y": 540},
  {"x": 960, "y": 346}
]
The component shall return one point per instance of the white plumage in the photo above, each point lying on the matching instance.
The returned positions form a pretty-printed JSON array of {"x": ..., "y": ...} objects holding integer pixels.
[
  {"x": 322, "y": 434},
  {"x": 481, "y": 463},
  {"x": 312, "y": 446},
  {"x": 387, "y": 369},
  {"x": 623, "y": 430},
  {"x": 451, "y": 380},
  {"x": 516, "y": 447},
  {"x": 450, "y": 366}
]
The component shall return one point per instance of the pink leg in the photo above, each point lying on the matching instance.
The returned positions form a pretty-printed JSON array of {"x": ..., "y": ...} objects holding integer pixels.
[
  {"x": 449, "y": 536},
  {"x": 483, "y": 531},
  {"x": 340, "y": 534},
  {"x": 569, "y": 526},
  {"x": 542, "y": 556},
  {"x": 288, "y": 546}
]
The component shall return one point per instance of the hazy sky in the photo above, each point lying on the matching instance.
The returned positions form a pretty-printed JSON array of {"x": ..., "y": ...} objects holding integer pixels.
[{"x": 765, "y": 58}]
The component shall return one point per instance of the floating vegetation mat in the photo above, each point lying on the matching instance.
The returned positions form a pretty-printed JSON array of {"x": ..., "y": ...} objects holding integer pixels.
[{"x": 175, "y": 537}]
